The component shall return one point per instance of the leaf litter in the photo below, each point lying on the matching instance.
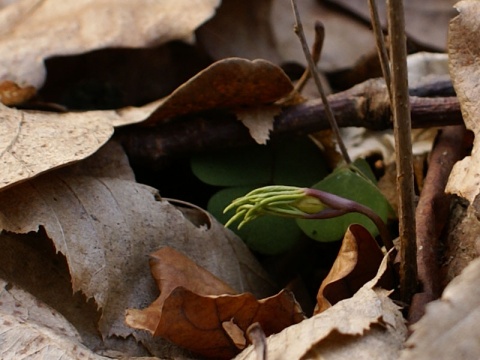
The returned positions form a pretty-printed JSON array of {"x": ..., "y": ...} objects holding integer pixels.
[
  {"x": 72, "y": 187},
  {"x": 107, "y": 226}
]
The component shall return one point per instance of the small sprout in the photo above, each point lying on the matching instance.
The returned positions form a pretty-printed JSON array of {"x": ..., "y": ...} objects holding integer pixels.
[{"x": 295, "y": 202}]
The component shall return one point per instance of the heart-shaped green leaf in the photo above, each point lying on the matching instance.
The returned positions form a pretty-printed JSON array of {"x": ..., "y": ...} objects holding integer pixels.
[
  {"x": 295, "y": 162},
  {"x": 268, "y": 235},
  {"x": 351, "y": 185}
]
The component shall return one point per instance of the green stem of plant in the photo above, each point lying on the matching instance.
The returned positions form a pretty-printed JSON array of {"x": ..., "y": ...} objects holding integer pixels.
[{"x": 343, "y": 206}]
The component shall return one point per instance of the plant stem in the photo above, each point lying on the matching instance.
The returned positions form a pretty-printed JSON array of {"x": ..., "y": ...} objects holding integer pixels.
[
  {"x": 313, "y": 70},
  {"x": 380, "y": 43},
  {"x": 403, "y": 141},
  {"x": 316, "y": 52}
]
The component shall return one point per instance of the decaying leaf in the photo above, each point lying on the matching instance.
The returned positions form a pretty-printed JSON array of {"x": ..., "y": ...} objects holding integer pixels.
[
  {"x": 32, "y": 30},
  {"x": 11, "y": 94},
  {"x": 464, "y": 55},
  {"x": 32, "y": 142},
  {"x": 29, "y": 328},
  {"x": 345, "y": 40},
  {"x": 259, "y": 121},
  {"x": 449, "y": 329},
  {"x": 229, "y": 83},
  {"x": 107, "y": 226},
  {"x": 357, "y": 262},
  {"x": 200, "y": 312},
  {"x": 368, "y": 325}
]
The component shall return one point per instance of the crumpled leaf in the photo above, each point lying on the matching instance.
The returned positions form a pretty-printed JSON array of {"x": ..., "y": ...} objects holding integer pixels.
[
  {"x": 368, "y": 325},
  {"x": 346, "y": 40},
  {"x": 32, "y": 30},
  {"x": 357, "y": 262},
  {"x": 31, "y": 328},
  {"x": 107, "y": 226},
  {"x": 32, "y": 142},
  {"x": 449, "y": 329},
  {"x": 463, "y": 54},
  {"x": 229, "y": 83},
  {"x": 203, "y": 314}
]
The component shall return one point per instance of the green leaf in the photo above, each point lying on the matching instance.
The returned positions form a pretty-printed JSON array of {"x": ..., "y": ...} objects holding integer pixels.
[
  {"x": 351, "y": 185},
  {"x": 268, "y": 235},
  {"x": 295, "y": 162},
  {"x": 234, "y": 167}
]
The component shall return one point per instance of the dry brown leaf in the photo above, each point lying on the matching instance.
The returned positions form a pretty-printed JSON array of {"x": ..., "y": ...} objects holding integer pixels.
[
  {"x": 32, "y": 142},
  {"x": 259, "y": 121},
  {"x": 426, "y": 21},
  {"x": 32, "y": 329},
  {"x": 11, "y": 94},
  {"x": 367, "y": 326},
  {"x": 357, "y": 262},
  {"x": 32, "y": 30},
  {"x": 463, "y": 53},
  {"x": 449, "y": 329},
  {"x": 106, "y": 227},
  {"x": 229, "y": 83},
  {"x": 221, "y": 37},
  {"x": 198, "y": 311},
  {"x": 346, "y": 40}
]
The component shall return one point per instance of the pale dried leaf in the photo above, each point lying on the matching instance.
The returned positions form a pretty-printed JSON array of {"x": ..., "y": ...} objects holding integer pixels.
[
  {"x": 346, "y": 41},
  {"x": 32, "y": 30},
  {"x": 464, "y": 52},
  {"x": 369, "y": 317},
  {"x": 259, "y": 121},
  {"x": 107, "y": 227},
  {"x": 34, "y": 142},
  {"x": 31, "y": 329},
  {"x": 449, "y": 329}
]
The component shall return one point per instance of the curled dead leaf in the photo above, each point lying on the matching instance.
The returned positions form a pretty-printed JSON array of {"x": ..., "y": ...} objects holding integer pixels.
[
  {"x": 463, "y": 55},
  {"x": 229, "y": 83},
  {"x": 198, "y": 311},
  {"x": 368, "y": 325},
  {"x": 357, "y": 262},
  {"x": 33, "y": 30},
  {"x": 106, "y": 226}
]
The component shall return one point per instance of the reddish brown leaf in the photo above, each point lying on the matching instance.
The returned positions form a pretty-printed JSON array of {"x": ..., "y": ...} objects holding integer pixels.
[
  {"x": 229, "y": 83},
  {"x": 211, "y": 324},
  {"x": 357, "y": 262}
]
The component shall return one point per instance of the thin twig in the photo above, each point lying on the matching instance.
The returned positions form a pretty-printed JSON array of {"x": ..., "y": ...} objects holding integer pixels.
[
  {"x": 403, "y": 141},
  {"x": 316, "y": 52},
  {"x": 313, "y": 69},
  {"x": 380, "y": 43}
]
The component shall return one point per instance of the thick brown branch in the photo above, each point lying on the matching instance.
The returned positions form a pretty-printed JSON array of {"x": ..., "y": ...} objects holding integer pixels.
[
  {"x": 365, "y": 105},
  {"x": 432, "y": 213}
]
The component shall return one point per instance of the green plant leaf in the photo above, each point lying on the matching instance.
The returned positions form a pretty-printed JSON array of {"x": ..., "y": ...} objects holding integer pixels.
[
  {"x": 295, "y": 162},
  {"x": 268, "y": 235},
  {"x": 234, "y": 167},
  {"x": 351, "y": 185}
]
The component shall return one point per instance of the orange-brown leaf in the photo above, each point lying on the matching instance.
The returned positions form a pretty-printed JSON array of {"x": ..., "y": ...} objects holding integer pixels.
[
  {"x": 357, "y": 262},
  {"x": 228, "y": 83},
  {"x": 198, "y": 311}
]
